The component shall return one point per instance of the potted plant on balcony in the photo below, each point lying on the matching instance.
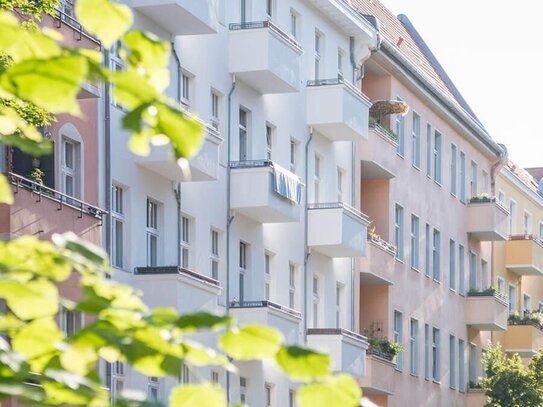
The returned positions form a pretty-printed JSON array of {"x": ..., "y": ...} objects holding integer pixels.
[
  {"x": 482, "y": 198},
  {"x": 382, "y": 347}
]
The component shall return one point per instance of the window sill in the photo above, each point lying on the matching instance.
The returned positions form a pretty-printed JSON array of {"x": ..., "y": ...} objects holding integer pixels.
[
  {"x": 398, "y": 370},
  {"x": 400, "y": 155},
  {"x": 121, "y": 269},
  {"x": 436, "y": 382},
  {"x": 453, "y": 194},
  {"x": 452, "y": 388},
  {"x": 436, "y": 281},
  {"x": 415, "y": 269},
  {"x": 452, "y": 290},
  {"x": 416, "y": 167},
  {"x": 415, "y": 375},
  {"x": 400, "y": 260},
  {"x": 438, "y": 184}
]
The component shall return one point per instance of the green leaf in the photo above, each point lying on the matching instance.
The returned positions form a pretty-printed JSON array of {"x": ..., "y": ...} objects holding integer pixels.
[
  {"x": 303, "y": 364},
  {"x": 339, "y": 391},
  {"x": 198, "y": 355},
  {"x": 37, "y": 338},
  {"x": 132, "y": 90},
  {"x": 6, "y": 197},
  {"x": 50, "y": 83},
  {"x": 184, "y": 131},
  {"x": 79, "y": 359},
  {"x": 85, "y": 249},
  {"x": 32, "y": 299},
  {"x": 251, "y": 342},
  {"x": 202, "y": 320},
  {"x": 108, "y": 20},
  {"x": 193, "y": 395}
]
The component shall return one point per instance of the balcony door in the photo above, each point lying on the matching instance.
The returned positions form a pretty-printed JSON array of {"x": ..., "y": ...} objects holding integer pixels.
[{"x": 243, "y": 137}]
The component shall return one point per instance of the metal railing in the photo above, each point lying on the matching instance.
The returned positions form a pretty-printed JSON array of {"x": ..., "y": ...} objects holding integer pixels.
[
  {"x": 389, "y": 357},
  {"x": 175, "y": 270},
  {"x": 60, "y": 197},
  {"x": 378, "y": 241},
  {"x": 340, "y": 205},
  {"x": 337, "y": 331},
  {"x": 73, "y": 23},
  {"x": 265, "y": 304},
  {"x": 525, "y": 322},
  {"x": 487, "y": 293},
  {"x": 338, "y": 81},
  {"x": 251, "y": 164},
  {"x": 252, "y": 25},
  {"x": 385, "y": 133}
]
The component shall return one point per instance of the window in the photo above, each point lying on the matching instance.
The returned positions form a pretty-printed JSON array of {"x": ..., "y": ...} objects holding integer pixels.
[
  {"x": 269, "y": 141},
  {"x": 473, "y": 364},
  {"x": 461, "y": 370},
  {"x": 452, "y": 264},
  {"x": 315, "y": 302},
  {"x": 243, "y": 136},
  {"x": 427, "y": 243},
  {"x": 436, "y": 348},
  {"x": 152, "y": 389},
  {"x": 414, "y": 346},
  {"x": 215, "y": 378},
  {"x": 269, "y": 8},
  {"x": 453, "y": 169},
  {"x": 292, "y": 285},
  {"x": 339, "y": 298},
  {"x": 540, "y": 236},
  {"x": 452, "y": 362},
  {"x": 215, "y": 118},
  {"x": 540, "y": 306},
  {"x": 426, "y": 351},
  {"x": 185, "y": 242},
  {"x": 429, "y": 150},
  {"x": 243, "y": 390},
  {"x": 185, "y": 89},
  {"x": 473, "y": 180},
  {"x": 485, "y": 182},
  {"x": 243, "y": 11},
  {"x": 152, "y": 233},
  {"x": 526, "y": 305},
  {"x": 339, "y": 185},
  {"x": 243, "y": 248},
  {"x": 527, "y": 223},
  {"x": 400, "y": 130},
  {"x": 512, "y": 294},
  {"x": 117, "y": 230},
  {"x": 291, "y": 398},
  {"x": 293, "y": 23},
  {"x": 472, "y": 271},
  {"x": 317, "y": 179},
  {"x": 501, "y": 285},
  {"x": 414, "y": 242},
  {"x": 437, "y": 157},
  {"x": 292, "y": 155},
  {"x": 185, "y": 374},
  {"x": 512, "y": 216},
  {"x": 436, "y": 255},
  {"x": 267, "y": 276},
  {"x": 415, "y": 142},
  {"x": 501, "y": 197},
  {"x": 67, "y": 8},
  {"x": 268, "y": 394},
  {"x": 462, "y": 177},
  {"x": 70, "y": 321},
  {"x": 116, "y": 65},
  {"x": 215, "y": 259},
  {"x": 461, "y": 270},
  {"x": 70, "y": 167},
  {"x": 485, "y": 281},
  {"x": 398, "y": 325},
  {"x": 398, "y": 232},
  {"x": 318, "y": 40},
  {"x": 117, "y": 380},
  {"x": 340, "y": 58}
]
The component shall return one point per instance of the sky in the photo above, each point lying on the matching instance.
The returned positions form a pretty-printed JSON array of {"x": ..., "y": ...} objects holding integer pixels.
[{"x": 493, "y": 52}]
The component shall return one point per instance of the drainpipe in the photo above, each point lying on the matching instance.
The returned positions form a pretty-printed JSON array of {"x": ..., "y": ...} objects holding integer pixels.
[
  {"x": 177, "y": 187},
  {"x": 178, "y": 63},
  {"x": 229, "y": 218},
  {"x": 307, "y": 252}
]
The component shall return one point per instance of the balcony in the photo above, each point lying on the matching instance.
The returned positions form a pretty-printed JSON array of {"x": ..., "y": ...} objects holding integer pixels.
[
  {"x": 487, "y": 220},
  {"x": 204, "y": 166},
  {"x": 264, "y": 57},
  {"x": 475, "y": 398},
  {"x": 337, "y": 110},
  {"x": 264, "y": 191},
  {"x": 41, "y": 211},
  {"x": 269, "y": 313},
  {"x": 174, "y": 286},
  {"x": 486, "y": 311},
  {"x": 378, "y": 153},
  {"x": 523, "y": 337},
  {"x": 337, "y": 230},
  {"x": 379, "y": 378},
  {"x": 346, "y": 349},
  {"x": 181, "y": 17},
  {"x": 377, "y": 267},
  {"x": 524, "y": 255}
]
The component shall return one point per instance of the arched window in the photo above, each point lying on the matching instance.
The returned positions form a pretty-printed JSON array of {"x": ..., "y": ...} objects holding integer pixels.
[{"x": 71, "y": 161}]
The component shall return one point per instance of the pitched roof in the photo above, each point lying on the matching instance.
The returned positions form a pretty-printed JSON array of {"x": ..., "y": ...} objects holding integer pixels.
[{"x": 400, "y": 32}]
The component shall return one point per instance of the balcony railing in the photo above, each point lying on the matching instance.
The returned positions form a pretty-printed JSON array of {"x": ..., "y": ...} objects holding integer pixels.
[
  {"x": 49, "y": 193},
  {"x": 265, "y": 304},
  {"x": 337, "y": 331},
  {"x": 252, "y": 25},
  {"x": 176, "y": 270},
  {"x": 382, "y": 243},
  {"x": 62, "y": 17},
  {"x": 487, "y": 293},
  {"x": 339, "y": 81},
  {"x": 340, "y": 205},
  {"x": 388, "y": 134}
]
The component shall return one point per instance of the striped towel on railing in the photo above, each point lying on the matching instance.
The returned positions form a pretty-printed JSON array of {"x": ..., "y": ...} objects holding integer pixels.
[{"x": 287, "y": 184}]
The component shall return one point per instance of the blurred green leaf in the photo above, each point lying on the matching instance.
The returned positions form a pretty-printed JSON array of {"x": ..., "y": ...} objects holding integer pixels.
[
  {"x": 32, "y": 299},
  {"x": 37, "y": 338},
  {"x": 79, "y": 359},
  {"x": 252, "y": 341},
  {"x": 83, "y": 248},
  {"x": 303, "y": 364},
  {"x": 338, "y": 391},
  {"x": 185, "y": 132},
  {"x": 193, "y": 395},
  {"x": 202, "y": 320},
  {"x": 108, "y": 20}
]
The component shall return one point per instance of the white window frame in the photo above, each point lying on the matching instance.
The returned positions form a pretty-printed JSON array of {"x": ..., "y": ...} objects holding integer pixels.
[
  {"x": 397, "y": 333},
  {"x": 429, "y": 150},
  {"x": 415, "y": 242},
  {"x": 452, "y": 362},
  {"x": 399, "y": 232},
  {"x": 414, "y": 346},
  {"x": 243, "y": 389},
  {"x": 527, "y": 223},
  {"x": 452, "y": 264},
  {"x": 243, "y": 139},
  {"x": 427, "y": 353},
  {"x": 400, "y": 132},
  {"x": 292, "y": 158},
  {"x": 78, "y": 320},
  {"x": 215, "y": 100},
  {"x": 473, "y": 273},
  {"x": 340, "y": 183},
  {"x": 340, "y": 62},
  {"x": 269, "y": 140},
  {"x": 268, "y": 395},
  {"x": 153, "y": 388},
  {"x": 292, "y": 285},
  {"x": 316, "y": 300},
  {"x": 461, "y": 269},
  {"x": 215, "y": 254},
  {"x": 461, "y": 365},
  {"x": 427, "y": 250},
  {"x": 501, "y": 285},
  {"x": 153, "y": 232},
  {"x": 526, "y": 304},
  {"x": 512, "y": 299},
  {"x": 501, "y": 197},
  {"x": 294, "y": 17},
  {"x": 453, "y": 169},
  {"x": 268, "y": 275},
  {"x": 75, "y": 171},
  {"x": 512, "y": 216},
  {"x": 339, "y": 304},
  {"x": 415, "y": 142},
  {"x": 436, "y": 255},
  {"x": 463, "y": 197},
  {"x": 438, "y": 156},
  {"x": 436, "y": 355},
  {"x": 186, "y": 232},
  {"x": 118, "y": 226},
  {"x": 473, "y": 181},
  {"x": 317, "y": 178},
  {"x": 318, "y": 45},
  {"x": 186, "y": 88},
  {"x": 243, "y": 268}
]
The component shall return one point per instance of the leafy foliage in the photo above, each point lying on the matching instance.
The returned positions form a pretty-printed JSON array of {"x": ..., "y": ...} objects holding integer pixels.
[{"x": 41, "y": 364}]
